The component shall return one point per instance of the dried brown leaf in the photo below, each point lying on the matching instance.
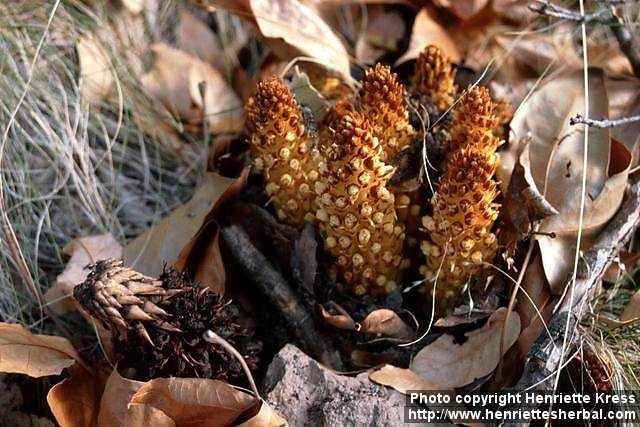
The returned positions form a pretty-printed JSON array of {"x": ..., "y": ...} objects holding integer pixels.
[
  {"x": 266, "y": 417},
  {"x": 383, "y": 34},
  {"x": 632, "y": 310},
  {"x": 300, "y": 27},
  {"x": 402, "y": 380},
  {"x": 447, "y": 364},
  {"x": 386, "y": 323},
  {"x": 341, "y": 320},
  {"x": 308, "y": 96},
  {"x": 556, "y": 158},
  {"x": 177, "y": 79},
  {"x": 463, "y": 9},
  {"x": 426, "y": 30},
  {"x": 624, "y": 101},
  {"x": 195, "y": 37},
  {"x": 96, "y": 76},
  {"x": 114, "y": 405},
  {"x": 534, "y": 310},
  {"x": 139, "y": 414},
  {"x": 405, "y": 380},
  {"x": 523, "y": 202},
  {"x": 75, "y": 401},
  {"x": 164, "y": 241},
  {"x": 35, "y": 355},
  {"x": 201, "y": 255},
  {"x": 195, "y": 401},
  {"x": 82, "y": 251},
  {"x": 454, "y": 320},
  {"x": 624, "y": 262}
]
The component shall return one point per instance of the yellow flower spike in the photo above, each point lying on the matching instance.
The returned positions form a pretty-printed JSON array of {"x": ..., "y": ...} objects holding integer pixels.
[
  {"x": 504, "y": 111},
  {"x": 463, "y": 214},
  {"x": 282, "y": 150},
  {"x": 474, "y": 111},
  {"x": 357, "y": 215},
  {"x": 464, "y": 209},
  {"x": 384, "y": 105},
  {"x": 434, "y": 77},
  {"x": 477, "y": 138},
  {"x": 331, "y": 119}
]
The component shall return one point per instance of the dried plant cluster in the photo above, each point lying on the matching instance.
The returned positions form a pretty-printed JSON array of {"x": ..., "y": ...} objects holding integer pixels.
[
  {"x": 361, "y": 217},
  {"x": 460, "y": 239},
  {"x": 282, "y": 149},
  {"x": 157, "y": 324}
]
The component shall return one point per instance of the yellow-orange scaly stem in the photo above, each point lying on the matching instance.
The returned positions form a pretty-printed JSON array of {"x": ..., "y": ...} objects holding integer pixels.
[{"x": 357, "y": 212}]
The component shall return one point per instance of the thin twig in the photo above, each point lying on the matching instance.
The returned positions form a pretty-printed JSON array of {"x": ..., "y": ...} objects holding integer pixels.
[
  {"x": 602, "y": 123},
  {"x": 545, "y": 7},
  {"x": 213, "y": 338},
  {"x": 605, "y": 16}
]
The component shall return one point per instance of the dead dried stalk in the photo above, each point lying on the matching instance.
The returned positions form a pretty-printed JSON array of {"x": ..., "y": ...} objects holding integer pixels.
[{"x": 275, "y": 288}]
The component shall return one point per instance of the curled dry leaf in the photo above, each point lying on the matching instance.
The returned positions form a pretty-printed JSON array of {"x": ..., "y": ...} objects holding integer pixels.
[
  {"x": 624, "y": 101},
  {"x": 114, "y": 405},
  {"x": 266, "y": 417},
  {"x": 83, "y": 251},
  {"x": 385, "y": 29},
  {"x": 386, "y": 323},
  {"x": 193, "y": 90},
  {"x": 196, "y": 401},
  {"x": 145, "y": 415},
  {"x": 632, "y": 310},
  {"x": 454, "y": 320},
  {"x": 201, "y": 255},
  {"x": 341, "y": 320},
  {"x": 463, "y": 9},
  {"x": 75, "y": 401},
  {"x": 405, "y": 380},
  {"x": 307, "y": 95},
  {"x": 300, "y": 27},
  {"x": 96, "y": 76},
  {"x": 534, "y": 305},
  {"x": 400, "y": 379},
  {"x": 624, "y": 262},
  {"x": 22, "y": 352},
  {"x": 426, "y": 30},
  {"x": 193, "y": 36},
  {"x": 447, "y": 364},
  {"x": 164, "y": 241},
  {"x": 556, "y": 160},
  {"x": 523, "y": 202}
]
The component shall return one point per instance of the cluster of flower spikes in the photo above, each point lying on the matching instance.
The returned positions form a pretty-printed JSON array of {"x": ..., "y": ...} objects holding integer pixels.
[
  {"x": 434, "y": 77},
  {"x": 356, "y": 213},
  {"x": 283, "y": 150},
  {"x": 464, "y": 207}
]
